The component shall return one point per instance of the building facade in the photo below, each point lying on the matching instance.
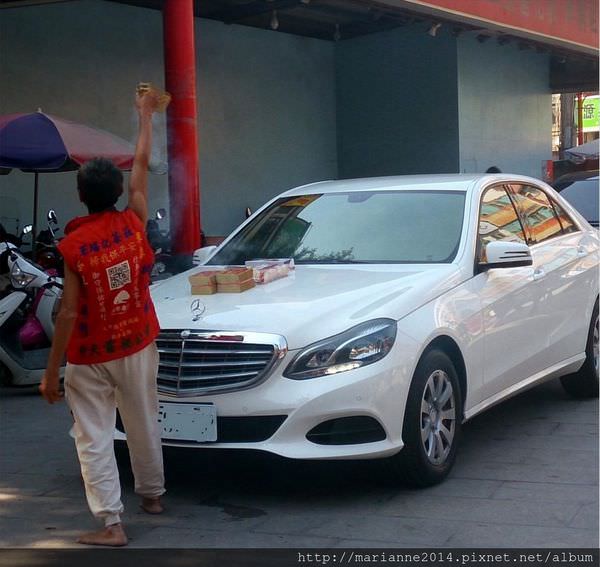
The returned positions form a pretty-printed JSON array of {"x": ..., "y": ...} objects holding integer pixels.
[{"x": 277, "y": 110}]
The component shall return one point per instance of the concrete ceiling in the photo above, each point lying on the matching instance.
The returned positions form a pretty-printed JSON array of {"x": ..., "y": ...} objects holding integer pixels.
[
  {"x": 337, "y": 20},
  {"x": 345, "y": 19}
]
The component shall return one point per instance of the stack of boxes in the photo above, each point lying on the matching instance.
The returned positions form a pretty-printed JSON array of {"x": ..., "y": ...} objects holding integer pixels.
[
  {"x": 231, "y": 280},
  {"x": 235, "y": 280},
  {"x": 204, "y": 283}
]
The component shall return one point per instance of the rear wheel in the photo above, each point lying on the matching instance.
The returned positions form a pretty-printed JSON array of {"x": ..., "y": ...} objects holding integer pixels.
[
  {"x": 432, "y": 422},
  {"x": 584, "y": 382}
]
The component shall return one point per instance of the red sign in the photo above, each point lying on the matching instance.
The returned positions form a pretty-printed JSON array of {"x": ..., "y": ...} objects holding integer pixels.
[{"x": 571, "y": 23}]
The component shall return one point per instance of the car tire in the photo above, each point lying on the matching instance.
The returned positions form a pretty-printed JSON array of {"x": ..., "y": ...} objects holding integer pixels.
[
  {"x": 584, "y": 382},
  {"x": 432, "y": 427}
]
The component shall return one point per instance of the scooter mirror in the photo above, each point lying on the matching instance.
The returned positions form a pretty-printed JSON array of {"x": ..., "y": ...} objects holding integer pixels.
[
  {"x": 52, "y": 216},
  {"x": 161, "y": 214}
]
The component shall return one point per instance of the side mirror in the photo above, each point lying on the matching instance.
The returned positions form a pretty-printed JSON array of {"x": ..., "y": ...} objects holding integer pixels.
[
  {"x": 26, "y": 229},
  {"x": 161, "y": 214},
  {"x": 503, "y": 254},
  {"x": 202, "y": 255},
  {"x": 52, "y": 216}
]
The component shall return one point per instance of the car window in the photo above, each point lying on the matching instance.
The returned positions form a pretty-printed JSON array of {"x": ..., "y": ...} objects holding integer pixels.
[
  {"x": 353, "y": 227},
  {"x": 583, "y": 195},
  {"x": 566, "y": 222},
  {"x": 498, "y": 219},
  {"x": 534, "y": 206}
]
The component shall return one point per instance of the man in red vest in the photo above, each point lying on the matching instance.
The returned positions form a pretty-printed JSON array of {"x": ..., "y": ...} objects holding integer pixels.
[{"x": 107, "y": 326}]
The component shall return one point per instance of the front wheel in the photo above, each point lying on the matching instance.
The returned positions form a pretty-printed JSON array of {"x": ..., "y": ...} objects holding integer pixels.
[
  {"x": 432, "y": 422},
  {"x": 584, "y": 383}
]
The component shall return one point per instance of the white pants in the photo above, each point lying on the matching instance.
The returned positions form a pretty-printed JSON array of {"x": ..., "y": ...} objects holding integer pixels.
[{"x": 93, "y": 393}]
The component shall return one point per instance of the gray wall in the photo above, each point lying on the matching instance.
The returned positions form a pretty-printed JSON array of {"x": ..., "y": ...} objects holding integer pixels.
[
  {"x": 267, "y": 117},
  {"x": 397, "y": 104},
  {"x": 266, "y": 101},
  {"x": 80, "y": 62},
  {"x": 276, "y": 110},
  {"x": 505, "y": 108}
]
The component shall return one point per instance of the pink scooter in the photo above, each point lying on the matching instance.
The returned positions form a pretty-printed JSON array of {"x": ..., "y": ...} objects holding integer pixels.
[{"x": 28, "y": 309}]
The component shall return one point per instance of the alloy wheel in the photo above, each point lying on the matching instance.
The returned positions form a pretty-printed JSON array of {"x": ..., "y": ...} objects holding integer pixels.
[{"x": 438, "y": 417}]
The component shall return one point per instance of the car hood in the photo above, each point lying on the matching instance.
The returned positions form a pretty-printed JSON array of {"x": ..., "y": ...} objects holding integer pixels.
[{"x": 312, "y": 303}]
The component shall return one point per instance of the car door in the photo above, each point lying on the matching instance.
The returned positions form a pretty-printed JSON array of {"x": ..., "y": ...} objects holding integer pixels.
[
  {"x": 559, "y": 258},
  {"x": 508, "y": 301}
]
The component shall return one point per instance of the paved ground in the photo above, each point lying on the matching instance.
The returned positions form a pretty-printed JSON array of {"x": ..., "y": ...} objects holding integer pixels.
[{"x": 527, "y": 476}]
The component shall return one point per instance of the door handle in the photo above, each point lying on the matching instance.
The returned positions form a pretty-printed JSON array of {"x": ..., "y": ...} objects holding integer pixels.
[
  {"x": 581, "y": 252},
  {"x": 539, "y": 273}
]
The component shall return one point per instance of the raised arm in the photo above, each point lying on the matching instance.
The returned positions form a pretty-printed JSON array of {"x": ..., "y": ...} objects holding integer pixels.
[{"x": 146, "y": 104}]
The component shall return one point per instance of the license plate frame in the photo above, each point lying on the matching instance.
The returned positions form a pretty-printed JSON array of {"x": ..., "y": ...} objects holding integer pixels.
[{"x": 188, "y": 422}]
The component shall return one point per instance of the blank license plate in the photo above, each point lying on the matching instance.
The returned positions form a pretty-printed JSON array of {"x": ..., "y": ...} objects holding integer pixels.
[{"x": 188, "y": 422}]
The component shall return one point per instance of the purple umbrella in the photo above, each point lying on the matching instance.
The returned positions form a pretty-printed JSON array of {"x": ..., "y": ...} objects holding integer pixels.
[{"x": 39, "y": 143}]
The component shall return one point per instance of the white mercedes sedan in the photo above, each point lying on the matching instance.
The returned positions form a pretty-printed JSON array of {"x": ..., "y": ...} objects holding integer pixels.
[{"x": 416, "y": 303}]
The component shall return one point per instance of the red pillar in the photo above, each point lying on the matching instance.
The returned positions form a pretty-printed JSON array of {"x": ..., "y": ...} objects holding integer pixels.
[
  {"x": 579, "y": 119},
  {"x": 180, "y": 82}
]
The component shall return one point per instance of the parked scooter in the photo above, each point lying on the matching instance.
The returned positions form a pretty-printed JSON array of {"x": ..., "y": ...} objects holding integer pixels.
[
  {"x": 6, "y": 238},
  {"x": 28, "y": 310},
  {"x": 46, "y": 245},
  {"x": 160, "y": 241}
]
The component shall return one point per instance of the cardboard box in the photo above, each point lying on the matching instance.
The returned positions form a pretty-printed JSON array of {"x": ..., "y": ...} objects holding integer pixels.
[
  {"x": 206, "y": 278},
  {"x": 204, "y": 289},
  {"x": 224, "y": 280},
  {"x": 234, "y": 276},
  {"x": 236, "y": 287}
]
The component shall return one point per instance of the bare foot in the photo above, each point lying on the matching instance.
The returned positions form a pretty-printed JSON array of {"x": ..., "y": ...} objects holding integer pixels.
[
  {"x": 152, "y": 505},
  {"x": 113, "y": 536}
]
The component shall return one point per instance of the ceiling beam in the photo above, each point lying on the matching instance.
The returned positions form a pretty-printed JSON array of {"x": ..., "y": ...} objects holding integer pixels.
[
  {"x": 569, "y": 74},
  {"x": 252, "y": 9},
  {"x": 24, "y": 3}
]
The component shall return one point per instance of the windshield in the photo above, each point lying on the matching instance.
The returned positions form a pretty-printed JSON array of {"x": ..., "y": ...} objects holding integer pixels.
[
  {"x": 583, "y": 195},
  {"x": 356, "y": 227}
]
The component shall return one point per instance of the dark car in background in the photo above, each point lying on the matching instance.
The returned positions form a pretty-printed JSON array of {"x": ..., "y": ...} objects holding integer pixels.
[{"x": 582, "y": 190}]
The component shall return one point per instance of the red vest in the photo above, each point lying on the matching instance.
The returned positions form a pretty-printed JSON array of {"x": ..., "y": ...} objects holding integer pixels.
[{"x": 115, "y": 316}]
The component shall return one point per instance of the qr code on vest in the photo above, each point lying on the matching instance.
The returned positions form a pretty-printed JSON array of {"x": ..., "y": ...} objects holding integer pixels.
[{"x": 119, "y": 275}]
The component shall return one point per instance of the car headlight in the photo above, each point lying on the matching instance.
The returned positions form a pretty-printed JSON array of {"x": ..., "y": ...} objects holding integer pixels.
[
  {"x": 20, "y": 278},
  {"x": 361, "y": 345}
]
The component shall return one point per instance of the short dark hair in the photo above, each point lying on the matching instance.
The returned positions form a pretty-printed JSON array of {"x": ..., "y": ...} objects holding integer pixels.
[
  {"x": 100, "y": 184},
  {"x": 493, "y": 169}
]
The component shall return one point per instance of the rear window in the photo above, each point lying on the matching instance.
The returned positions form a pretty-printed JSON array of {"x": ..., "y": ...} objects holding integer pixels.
[{"x": 583, "y": 195}]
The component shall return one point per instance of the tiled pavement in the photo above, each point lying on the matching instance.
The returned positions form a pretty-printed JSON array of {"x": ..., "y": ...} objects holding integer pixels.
[{"x": 526, "y": 476}]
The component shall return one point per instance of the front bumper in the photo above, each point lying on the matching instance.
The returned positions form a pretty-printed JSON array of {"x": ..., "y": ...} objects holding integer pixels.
[{"x": 292, "y": 408}]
